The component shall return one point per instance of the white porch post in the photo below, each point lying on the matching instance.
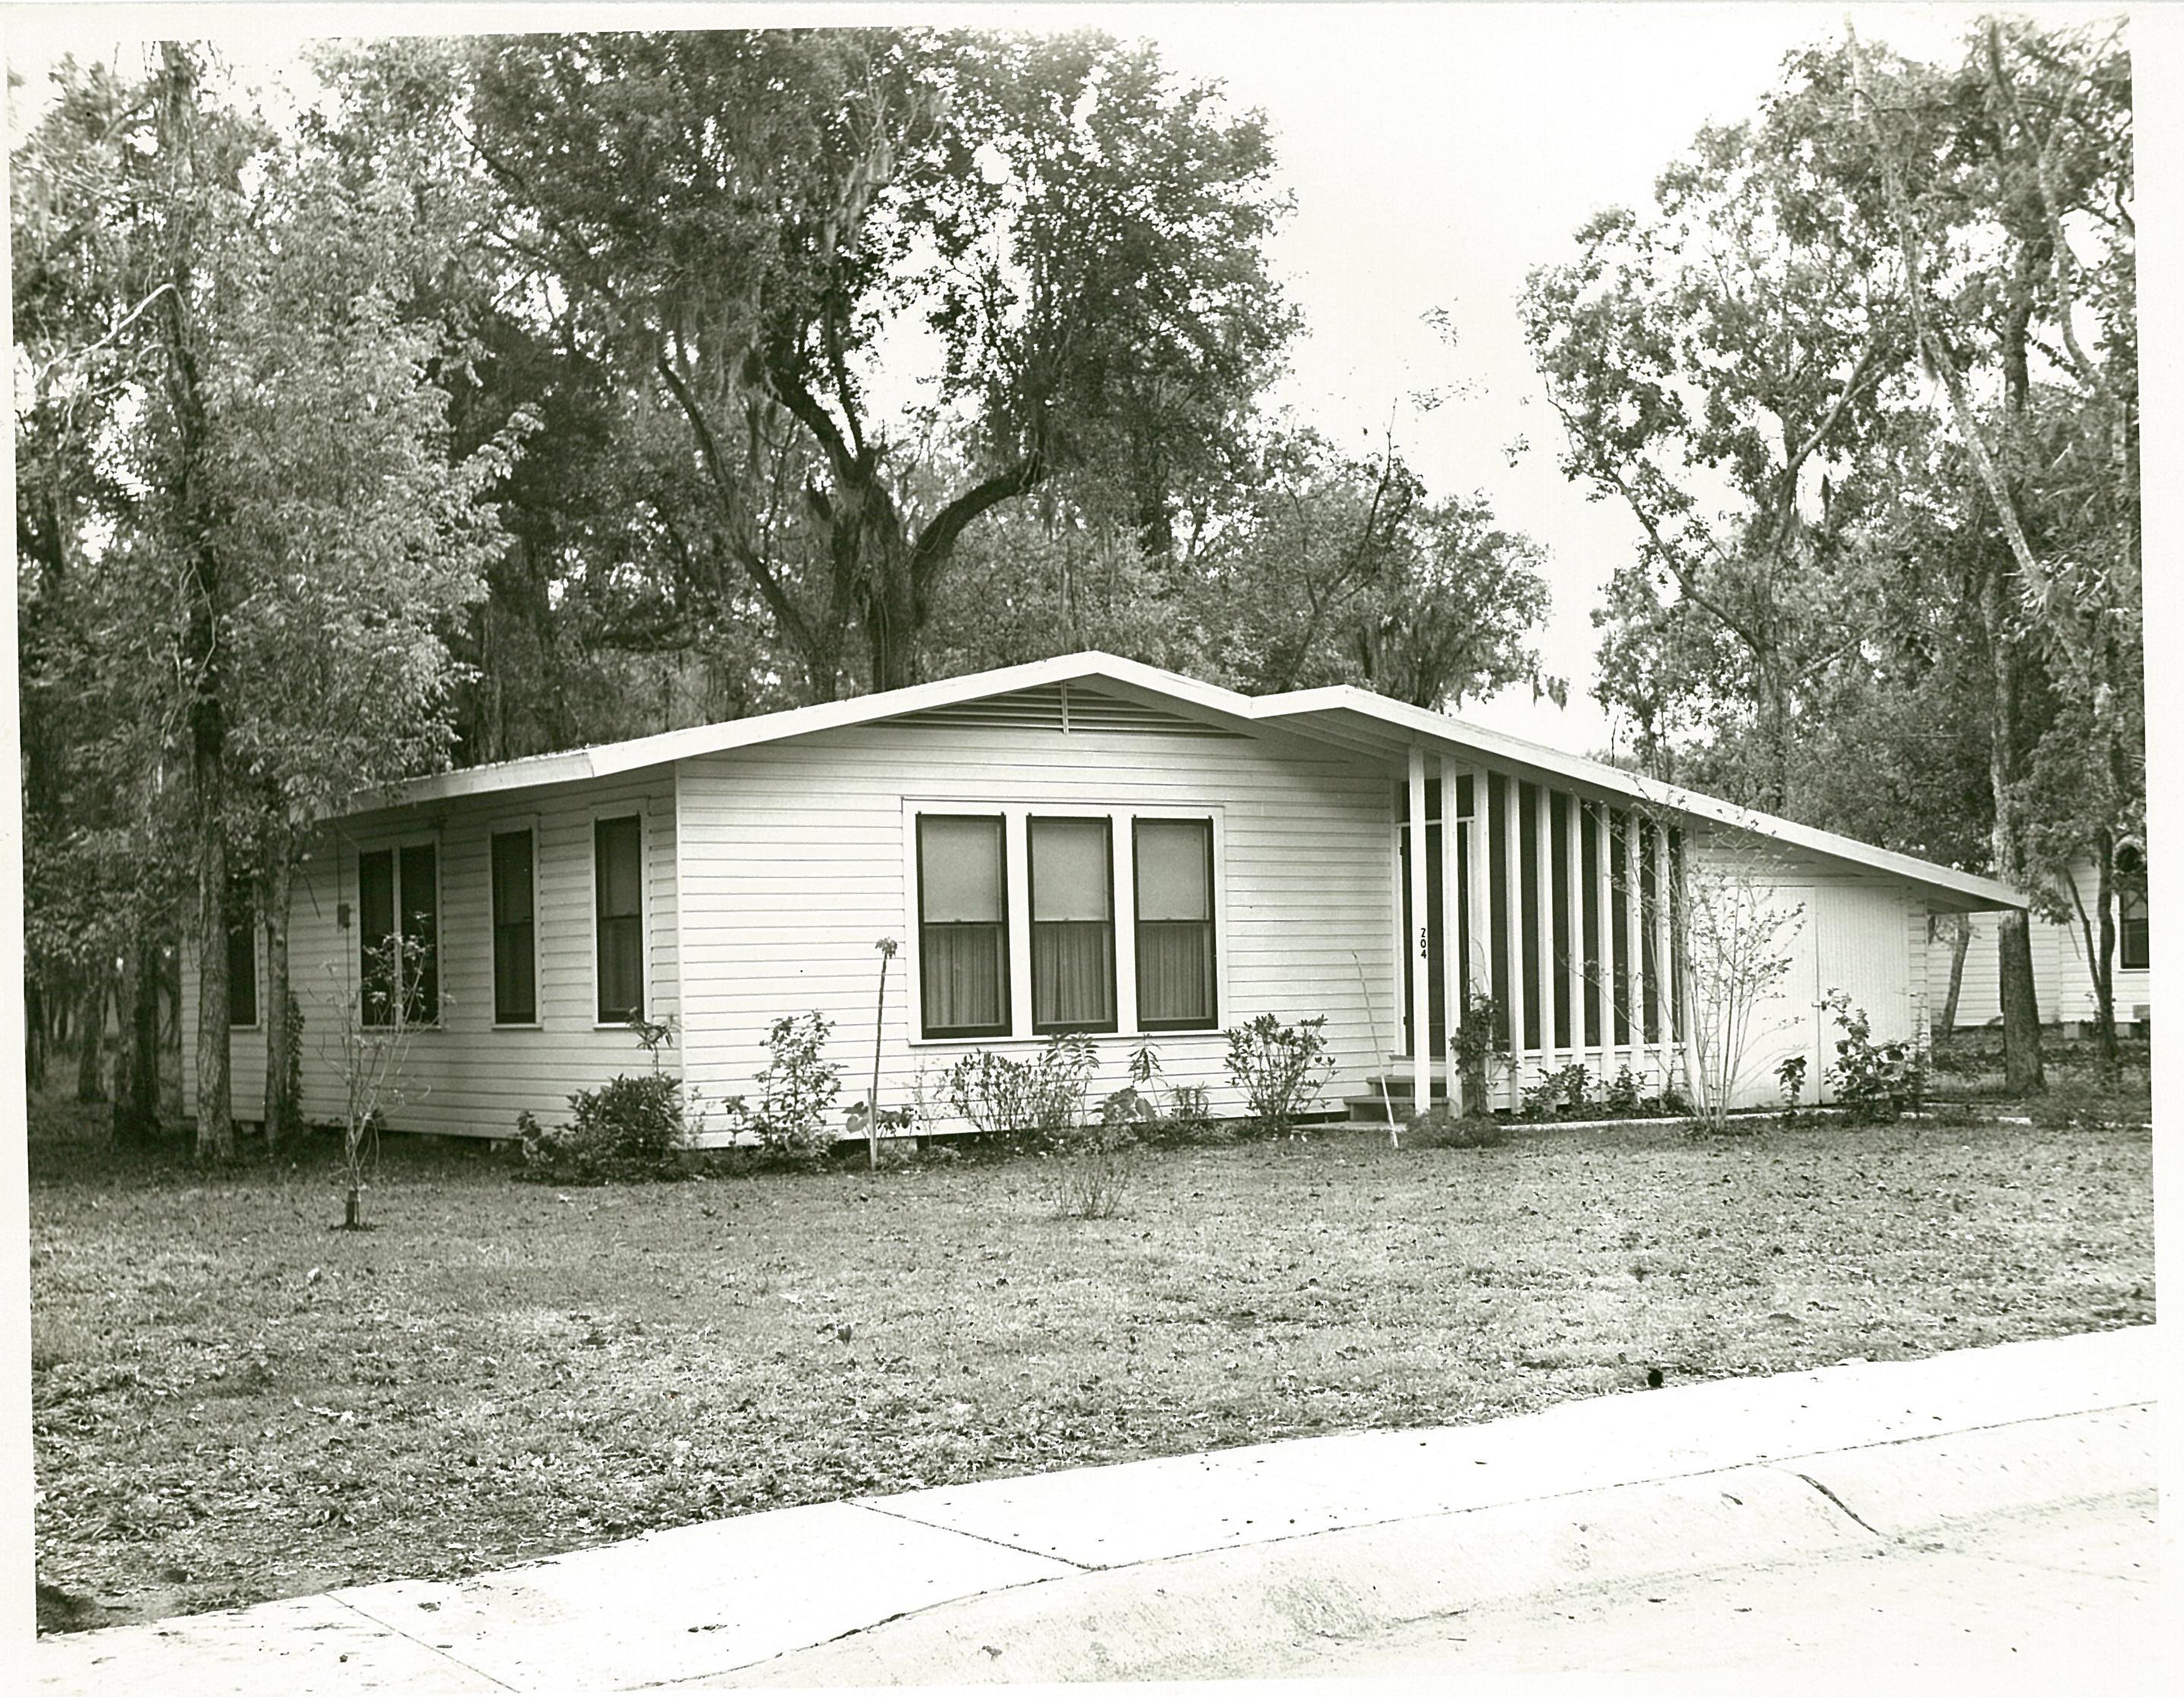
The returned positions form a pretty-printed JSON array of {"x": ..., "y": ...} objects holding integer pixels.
[
  {"x": 1452, "y": 953},
  {"x": 1543, "y": 948},
  {"x": 1633, "y": 930},
  {"x": 1512, "y": 910},
  {"x": 1573, "y": 879},
  {"x": 1603, "y": 926},
  {"x": 1664, "y": 958},
  {"x": 1421, "y": 963}
]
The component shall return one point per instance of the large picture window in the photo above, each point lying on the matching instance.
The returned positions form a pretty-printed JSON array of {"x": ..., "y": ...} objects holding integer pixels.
[
  {"x": 514, "y": 932},
  {"x": 398, "y": 944},
  {"x": 1072, "y": 925},
  {"x": 963, "y": 925},
  {"x": 618, "y": 852},
  {"x": 1174, "y": 876}
]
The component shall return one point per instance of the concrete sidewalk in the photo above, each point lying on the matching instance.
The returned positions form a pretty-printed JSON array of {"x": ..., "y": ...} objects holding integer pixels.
[{"x": 1171, "y": 1568}]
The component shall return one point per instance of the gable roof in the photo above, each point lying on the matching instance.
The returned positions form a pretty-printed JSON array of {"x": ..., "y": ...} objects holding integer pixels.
[{"x": 1341, "y": 715}]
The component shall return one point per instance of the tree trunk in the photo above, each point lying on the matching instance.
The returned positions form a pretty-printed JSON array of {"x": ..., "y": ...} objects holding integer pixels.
[
  {"x": 1959, "y": 946},
  {"x": 91, "y": 1043},
  {"x": 282, "y": 1115},
  {"x": 2020, "y": 1008},
  {"x": 2103, "y": 955},
  {"x": 34, "y": 1034},
  {"x": 136, "y": 1066}
]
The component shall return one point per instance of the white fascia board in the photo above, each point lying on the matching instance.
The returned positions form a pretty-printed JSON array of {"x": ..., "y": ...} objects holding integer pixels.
[
  {"x": 609, "y": 759},
  {"x": 1967, "y": 886}
]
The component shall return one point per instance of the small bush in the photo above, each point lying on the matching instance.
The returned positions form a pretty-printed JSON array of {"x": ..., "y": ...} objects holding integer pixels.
[
  {"x": 1622, "y": 1094},
  {"x": 634, "y": 1125},
  {"x": 1874, "y": 1081},
  {"x": 796, "y": 1091},
  {"x": 1565, "y": 1092},
  {"x": 1187, "y": 1117},
  {"x": 1279, "y": 1069},
  {"x": 1043, "y": 1095},
  {"x": 1095, "y": 1164},
  {"x": 1439, "y": 1129}
]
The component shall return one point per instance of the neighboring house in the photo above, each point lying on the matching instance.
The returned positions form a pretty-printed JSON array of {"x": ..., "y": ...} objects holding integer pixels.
[
  {"x": 1082, "y": 843},
  {"x": 2062, "y": 966}
]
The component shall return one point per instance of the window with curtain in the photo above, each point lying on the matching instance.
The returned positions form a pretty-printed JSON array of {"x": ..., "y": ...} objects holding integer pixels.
[
  {"x": 1072, "y": 925},
  {"x": 1174, "y": 876},
  {"x": 618, "y": 884},
  {"x": 515, "y": 937},
  {"x": 242, "y": 957},
  {"x": 398, "y": 901},
  {"x": 962, "y": 926}
]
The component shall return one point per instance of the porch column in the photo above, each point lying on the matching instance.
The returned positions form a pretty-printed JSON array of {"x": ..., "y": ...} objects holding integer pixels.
[
  {"x": 1451, "y": 951},
  {"x": 1603, "y": 926},
  {"x": 1543, "y": 950},
  {"x": 1574, "y": 878},
  {"x": 1633, "y": 931},
  {"x": 1665, "y": 946},
  {"x": 1512, "y": 912},
  {"x": 1421, "y": 961}
]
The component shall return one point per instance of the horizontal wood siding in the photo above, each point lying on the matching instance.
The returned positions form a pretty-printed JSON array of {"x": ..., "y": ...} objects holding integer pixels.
[
  {"x": 2062, "y": 973},
  {"x": 794, "y": 866},
  {"x": 465, "y": 1076}
]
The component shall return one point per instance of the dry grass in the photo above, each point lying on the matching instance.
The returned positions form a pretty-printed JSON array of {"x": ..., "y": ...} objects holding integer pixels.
[{"x": 233, "y": 1402}]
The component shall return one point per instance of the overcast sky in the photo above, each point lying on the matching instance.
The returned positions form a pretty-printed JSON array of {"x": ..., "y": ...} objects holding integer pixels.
[{"x": 1437, "y": 153}]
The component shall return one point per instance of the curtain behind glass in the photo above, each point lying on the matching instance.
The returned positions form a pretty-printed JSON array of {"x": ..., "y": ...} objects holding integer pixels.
[
  {"x": 1072, "y": 933},
  {"x": 1174, "y": 861}
]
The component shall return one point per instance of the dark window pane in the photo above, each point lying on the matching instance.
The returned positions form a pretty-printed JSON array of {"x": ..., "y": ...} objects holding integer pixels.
[
  {"x": 963, "y": 936},
  {"x": 2134, "y": 943},
  {"x": 420, "y": 932},
  {"x": 515, "y": 980},
  {"x": 241, "y": 959},
  {"x": 375, "y": 925},
  {"x": 1072, "y": 933},
  {"x": 618, "y": 846},
  {"x": 1173, "y": 866}
]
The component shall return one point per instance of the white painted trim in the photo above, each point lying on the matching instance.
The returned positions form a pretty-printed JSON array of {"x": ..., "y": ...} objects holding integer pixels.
[
  {"x": 1015, "y": 816},
  {"x": 1416, "y": 942},
  {"x": 1452, "y": 828},
  {"x": 1341, "y": 715},
  {"x": 508, "y": 827},
  {"x": 1512, "y": 908},
  {"x": 377, "y": 841},
  {"x": 1543, "y": 945},
  {"x": 636, "y": 807}
]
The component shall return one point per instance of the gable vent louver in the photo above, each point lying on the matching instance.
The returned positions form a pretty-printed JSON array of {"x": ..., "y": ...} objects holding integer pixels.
[{"x": 1064, "y": 707}]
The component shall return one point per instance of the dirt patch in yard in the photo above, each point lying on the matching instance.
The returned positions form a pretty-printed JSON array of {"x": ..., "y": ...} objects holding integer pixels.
[{"x": 234, "y": 1403}]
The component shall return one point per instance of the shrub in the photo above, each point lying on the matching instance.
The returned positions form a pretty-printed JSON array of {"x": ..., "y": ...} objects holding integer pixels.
[
  {"x": 1005, "y": 1097},
  {"x": 1439, "y": 1129},
  {"x": 1568, "y": 1090},
  {"x": 796, "y": 1091},
  {"x": 1873, "y": 1081},
  {"x": 1189, "y": 1115},
  {"x": 1279, "y": 1069},
  {"x": 634, "y": 1125},
  {"x": 1623, "y": 1095},
  {"x": 1096, "y": 1164}
]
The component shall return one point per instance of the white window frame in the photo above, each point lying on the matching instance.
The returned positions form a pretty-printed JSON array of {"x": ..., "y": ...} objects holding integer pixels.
[
  {"x": 1015, "y": 816},
  {"x": 395, "y": 842},
  {"x": 509, "y": 828},
  {"x": 638, "y": 808}
]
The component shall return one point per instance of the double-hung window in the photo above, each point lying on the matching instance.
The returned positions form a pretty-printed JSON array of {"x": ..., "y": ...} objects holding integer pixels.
[
  {"x": 963, "y": 925},
  {"x": 1072, "y": 925},
  {"x": 1174, "y": 880},
  {"x": 618, "y": 884},
  {"x": 514, "y": 931},
  {"x": 398, "y": 893}
]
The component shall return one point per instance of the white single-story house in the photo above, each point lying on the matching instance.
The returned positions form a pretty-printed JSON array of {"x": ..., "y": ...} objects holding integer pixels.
[
  {"x": 2062, "y": 970},
  {"x": 1082, "y": 843}
]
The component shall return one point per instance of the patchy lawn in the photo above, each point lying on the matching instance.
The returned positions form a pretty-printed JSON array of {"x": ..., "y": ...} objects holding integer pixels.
[
  {"x": 233, "y": 1402},
  {"x": 1968, "y": 1068}
]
